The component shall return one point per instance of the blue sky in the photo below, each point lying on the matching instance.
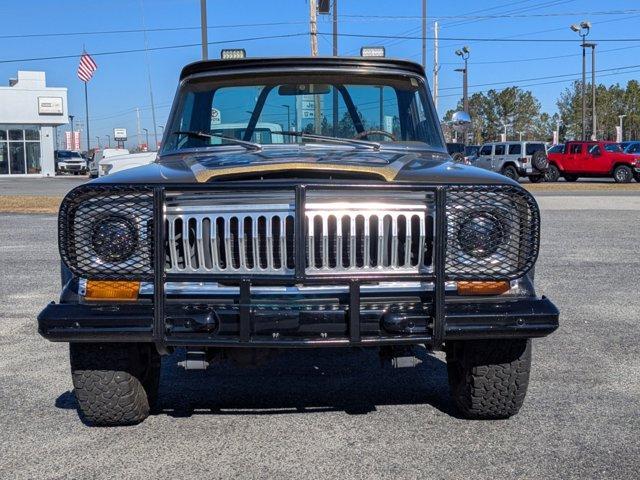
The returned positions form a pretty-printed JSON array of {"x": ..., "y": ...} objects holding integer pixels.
[{"x": 121, "y": 84}]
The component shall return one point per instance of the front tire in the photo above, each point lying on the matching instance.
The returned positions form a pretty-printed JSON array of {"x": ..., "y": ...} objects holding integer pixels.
[
  {"x": 622, "y": 174},
  {"x": 510, "y": 172},
  {"x": 489, "y": 378},
  {"x": 536, "y": 178},
  {"x": 553, "y": 174},
  {"x": 115, "y": 384}
]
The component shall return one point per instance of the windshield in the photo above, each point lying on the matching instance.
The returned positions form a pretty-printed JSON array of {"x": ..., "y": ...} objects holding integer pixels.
[
  {"x": 613, "y": 147},
  {"x": 69, "y": 155},
  {"x": 263, "y": 109}
]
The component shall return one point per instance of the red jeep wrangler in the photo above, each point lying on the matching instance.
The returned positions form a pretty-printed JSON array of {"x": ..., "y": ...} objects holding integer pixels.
[{"x": 592, "y": 159}]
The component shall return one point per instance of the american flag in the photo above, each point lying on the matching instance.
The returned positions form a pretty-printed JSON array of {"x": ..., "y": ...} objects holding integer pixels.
[{"x": 86, "y": 67}]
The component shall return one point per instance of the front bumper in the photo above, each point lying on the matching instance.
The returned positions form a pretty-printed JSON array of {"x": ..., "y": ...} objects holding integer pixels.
[
  {"x": 72, "y": 168},
  {"x": 221, "y": 326}
]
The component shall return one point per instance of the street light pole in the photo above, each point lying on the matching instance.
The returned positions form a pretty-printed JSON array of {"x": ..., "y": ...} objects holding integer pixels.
[
  {"x": 108, "y": 140},
  {"x": 593, "y": 91},
  {"x": 464, "y": 54},
  {"x": 98, "y": 139},
  {"x": 583, "y": 29},
  {"x": 146, "y": 132},
  {"x": 73, "y": 140}
]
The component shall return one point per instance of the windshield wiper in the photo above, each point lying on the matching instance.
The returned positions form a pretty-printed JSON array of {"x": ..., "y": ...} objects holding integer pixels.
[
  {"x": 247, "y": 145},
  {"x": 343, "y": 141}
]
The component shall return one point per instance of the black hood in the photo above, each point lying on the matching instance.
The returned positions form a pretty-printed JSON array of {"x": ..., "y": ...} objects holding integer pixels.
[{"x": 308, "y": 163}]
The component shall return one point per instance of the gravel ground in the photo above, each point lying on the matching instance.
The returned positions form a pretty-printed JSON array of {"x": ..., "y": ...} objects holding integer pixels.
[{"x": 339, "y": 414}]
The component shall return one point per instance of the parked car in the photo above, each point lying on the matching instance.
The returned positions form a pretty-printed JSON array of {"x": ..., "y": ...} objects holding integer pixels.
[
  {"x": 237, "y": 250},
  {"x": 632, "y": 147},
  {"x": 123, "y": 162},
  {"x": 456, "y": 150},
  {"x": 593, "y": 159},
  {"x": 98, "y": 155},
  {"x": 514, "y": 159},
  {"x": 68, "y": 161}
]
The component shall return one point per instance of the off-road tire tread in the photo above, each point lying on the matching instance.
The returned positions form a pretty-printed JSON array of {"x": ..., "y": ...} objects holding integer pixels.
[
  {"x": 628, "y": 176},
  {"x": 489, "y": 378},
  {"x": 109, "y": 382}
]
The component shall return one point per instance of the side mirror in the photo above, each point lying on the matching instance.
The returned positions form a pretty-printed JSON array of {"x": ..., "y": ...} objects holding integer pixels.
[{"x": 460, "y": 120}]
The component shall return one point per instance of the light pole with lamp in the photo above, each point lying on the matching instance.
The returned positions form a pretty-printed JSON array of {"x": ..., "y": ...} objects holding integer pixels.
[
  {"x": 464, "y": 54},
  {"x": 146, "y": 132},
  {"x": 583, "y": 29},
  {"x": 73, "y": 141},
  {"x": 108, "y": 141},
  {"x": 98, "y": 139},
  {"x": 593, "y": 89}
]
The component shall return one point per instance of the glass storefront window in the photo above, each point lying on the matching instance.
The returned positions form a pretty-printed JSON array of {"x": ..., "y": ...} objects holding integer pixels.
[
  {"x": 33, "y": 157},
  {"x": 4, "y": 159},
  {"x": 31, "y": 134},
  {"x": 16, "y": 134},
  {"x": 16, "y": 157},
  {"x": 20, "y": 150}
]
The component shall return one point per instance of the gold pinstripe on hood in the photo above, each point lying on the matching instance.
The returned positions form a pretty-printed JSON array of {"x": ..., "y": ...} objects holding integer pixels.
[{"x": 204, "y": 174}]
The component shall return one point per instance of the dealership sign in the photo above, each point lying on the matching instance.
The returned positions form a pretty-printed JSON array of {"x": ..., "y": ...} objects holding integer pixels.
[
  {"x": 50, "y": 106},
  {"x": 120, "y": 134}
]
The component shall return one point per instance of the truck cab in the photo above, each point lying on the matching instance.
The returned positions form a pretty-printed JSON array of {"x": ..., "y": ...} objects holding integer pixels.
[{"x": 593, "y": 159}]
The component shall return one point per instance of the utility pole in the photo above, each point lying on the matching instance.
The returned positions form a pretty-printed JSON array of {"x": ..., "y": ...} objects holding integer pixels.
[
  {"x": 146, "y": 55},
  {"x": 313, "y": 31},
  {"x": 335, "y": 54},
  {"x": 436, "y": 64},
  {"x": 138, "y": 125},
  {"x": 203, "y": 29},
  {"x": 313, "y": 27},
  {"x": 424, "y": 34}
]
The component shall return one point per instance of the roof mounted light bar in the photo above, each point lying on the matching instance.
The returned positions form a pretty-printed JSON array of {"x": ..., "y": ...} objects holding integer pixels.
[
  {"x": 233, "y": 53},
  {"x": 372, "y": 52}
]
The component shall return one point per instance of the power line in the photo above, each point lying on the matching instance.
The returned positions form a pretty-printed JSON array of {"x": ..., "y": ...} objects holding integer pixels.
[
  {"x": 546, "y": 77},
  {"x": 475, "y": 39},
  {"x": 166, "y": 47},
  {"x": 520, "y": 60},
  {"x": 576, "y": 78},
  {"x": 148, "y": 30},
  {"x": 491, "y": 17}
]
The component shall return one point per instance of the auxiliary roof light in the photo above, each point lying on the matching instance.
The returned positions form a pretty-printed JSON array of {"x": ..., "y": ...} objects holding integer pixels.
[
  {"x": 372, "y": 52},
  {"x": 233, "y": 53}
]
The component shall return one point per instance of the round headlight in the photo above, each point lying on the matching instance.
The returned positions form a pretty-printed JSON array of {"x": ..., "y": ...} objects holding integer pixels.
[
  {"x": 114, "y": 238},
  {"x": 480, "y": 234}
]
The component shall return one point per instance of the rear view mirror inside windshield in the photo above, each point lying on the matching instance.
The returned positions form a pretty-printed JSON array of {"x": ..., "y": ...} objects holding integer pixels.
[{"x": 304, "y": 89}]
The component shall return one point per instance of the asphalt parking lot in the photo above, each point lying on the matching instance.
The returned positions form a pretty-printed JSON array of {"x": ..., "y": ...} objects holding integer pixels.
[{"x": 339, "y": 414}]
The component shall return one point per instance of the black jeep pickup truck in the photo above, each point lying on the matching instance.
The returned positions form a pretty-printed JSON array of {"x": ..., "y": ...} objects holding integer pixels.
[{"x": 298, "y": 203}]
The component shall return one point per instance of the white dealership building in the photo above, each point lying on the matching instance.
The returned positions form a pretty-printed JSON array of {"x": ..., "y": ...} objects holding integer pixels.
[{"x": 29, "y": 113}]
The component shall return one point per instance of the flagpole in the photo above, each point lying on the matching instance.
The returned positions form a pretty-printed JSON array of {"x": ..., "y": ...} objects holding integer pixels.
[{"x": 86, "y": 107}]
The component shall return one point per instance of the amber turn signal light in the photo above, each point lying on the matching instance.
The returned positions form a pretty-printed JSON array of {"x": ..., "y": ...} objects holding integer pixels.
[
  {"x": 111, "y": 290},
  {"x": 483, "y": 288}
]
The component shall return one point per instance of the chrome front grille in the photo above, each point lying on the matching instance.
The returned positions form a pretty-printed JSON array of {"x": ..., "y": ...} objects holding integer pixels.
[
  {"x": 254, "y": 233},
  {"x": 217, "y": 235},
  {"x": 365, "y": 237}
]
